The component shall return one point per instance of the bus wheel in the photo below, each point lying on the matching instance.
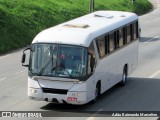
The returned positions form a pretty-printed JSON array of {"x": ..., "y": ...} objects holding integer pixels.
[
  {"x": 124, "y": 76},
  {"x": 97, "y": 93}
]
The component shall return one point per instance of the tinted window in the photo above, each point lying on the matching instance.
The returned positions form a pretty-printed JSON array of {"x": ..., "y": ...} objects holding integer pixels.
[
  {"x": 91, "y": 49},
  {"x": 124, "y": 35},
  {"x": 101, "y": 46},
  {"x": 135, "y": 30},
  {"x": 111, "y": 42},
  {"x": 128, "y": 33},
  {"x": 120, "y": 37}
]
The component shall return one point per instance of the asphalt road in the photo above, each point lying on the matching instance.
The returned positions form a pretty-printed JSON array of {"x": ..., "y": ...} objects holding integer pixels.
[{"x": 141, "y": 92}]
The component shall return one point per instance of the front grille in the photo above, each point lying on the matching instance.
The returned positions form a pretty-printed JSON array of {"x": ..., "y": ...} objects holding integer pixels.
[{"x": 54, "y": 91}]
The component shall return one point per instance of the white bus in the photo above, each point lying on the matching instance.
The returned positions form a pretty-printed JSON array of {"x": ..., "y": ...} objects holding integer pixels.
[{"x": 78, "y": 60}]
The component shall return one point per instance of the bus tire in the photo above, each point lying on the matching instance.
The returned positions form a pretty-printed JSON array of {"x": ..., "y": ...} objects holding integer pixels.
[
  {"x": 97, "y": 92},
  {"x": 124, "y": 76}
]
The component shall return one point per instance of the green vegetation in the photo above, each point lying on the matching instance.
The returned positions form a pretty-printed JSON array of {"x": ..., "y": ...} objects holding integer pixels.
[{"x": 21, "y": 20}]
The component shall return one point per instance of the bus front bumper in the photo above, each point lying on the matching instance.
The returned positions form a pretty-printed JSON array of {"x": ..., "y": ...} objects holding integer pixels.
[{"x": 72, "y": 97}]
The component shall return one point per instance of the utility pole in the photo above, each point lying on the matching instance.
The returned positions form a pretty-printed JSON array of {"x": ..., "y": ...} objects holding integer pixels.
[
  {"x": 91, "y": 6},
  {"x": 133, "y": 1}
]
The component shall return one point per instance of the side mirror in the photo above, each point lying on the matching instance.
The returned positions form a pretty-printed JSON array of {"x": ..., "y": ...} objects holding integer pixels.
[{"x": 23, "y": 58}]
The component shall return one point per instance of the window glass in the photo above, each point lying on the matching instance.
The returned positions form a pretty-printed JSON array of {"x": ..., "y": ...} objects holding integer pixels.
[
  {"x": 101, "y": 46},
  {"x": 111, "y": 42},
  {"x": 124, "y": 35},
  {"x": 58, "y": 60},
  {"x": 91, "y": 59},
  {"x": 120, "y": 37},
  {"x": 116, "y": 43},
  {"x": 91, "y": 50},
  {"x": 135, "y": 29},
  {"x": 132, "y": 31},
  {"x": 107, "y": 44},
  {"x": 128, "y": 33}
]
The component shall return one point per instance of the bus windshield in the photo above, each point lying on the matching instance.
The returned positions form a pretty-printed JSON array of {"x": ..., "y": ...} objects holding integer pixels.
[{"x": 58, "y": 60}]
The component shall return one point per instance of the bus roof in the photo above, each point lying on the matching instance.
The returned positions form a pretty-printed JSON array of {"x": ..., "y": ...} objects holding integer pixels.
[{"x": 81, "y": 31}]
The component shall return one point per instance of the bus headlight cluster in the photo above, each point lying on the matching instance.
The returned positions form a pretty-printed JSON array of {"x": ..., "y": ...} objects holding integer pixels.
[{"x": 35, "y": 91}]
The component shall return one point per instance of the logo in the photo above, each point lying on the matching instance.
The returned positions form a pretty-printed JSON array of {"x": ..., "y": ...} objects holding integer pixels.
[{"x": 6, "y": 114}]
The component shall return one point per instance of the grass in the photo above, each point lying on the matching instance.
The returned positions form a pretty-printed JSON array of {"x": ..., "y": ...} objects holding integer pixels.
[{"x": 21, "y": 20}]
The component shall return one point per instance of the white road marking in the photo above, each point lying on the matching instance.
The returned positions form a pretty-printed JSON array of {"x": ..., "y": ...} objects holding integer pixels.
[
  {"x": 151, "y": 39},
  {"x": 20, "y": 72},
  {"x": 155, "y": 74},
  {"x": 3, "y": 79},
  {"x": 91, "y": 118}
]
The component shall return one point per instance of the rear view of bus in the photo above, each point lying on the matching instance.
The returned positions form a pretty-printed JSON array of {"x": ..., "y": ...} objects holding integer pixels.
[{"x": 78, "y": 60}]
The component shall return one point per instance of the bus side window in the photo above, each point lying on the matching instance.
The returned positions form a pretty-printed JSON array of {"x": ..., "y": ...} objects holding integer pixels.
[
  {"x": 138, "y": 31},
  {"x": 106, "y": 44},
  {"x": 124, "y": 35},
  {"x": 100, "y": 41},
  {"x": 91, "y": 58},
  {"x": 116, "y": 39},
  {"x": 132, "y": 31},
  {"x": 111, "y": 42},
  {"x": 120, "y": 37},
  {"x": 128, "y": 33},
  {"x": 135, "y": 30}
]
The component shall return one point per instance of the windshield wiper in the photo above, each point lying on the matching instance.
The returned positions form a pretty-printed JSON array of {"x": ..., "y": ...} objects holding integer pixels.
[{"x": 45, "y": 66}]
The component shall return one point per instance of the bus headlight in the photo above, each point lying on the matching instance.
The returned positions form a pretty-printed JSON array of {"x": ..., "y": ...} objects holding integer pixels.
[{"x": 34, "y": 91}]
